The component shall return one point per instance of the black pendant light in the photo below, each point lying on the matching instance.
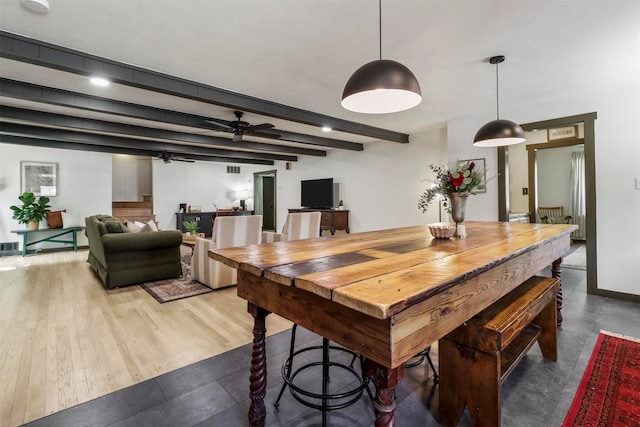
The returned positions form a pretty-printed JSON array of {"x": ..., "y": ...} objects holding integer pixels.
[
  {"x": 381, "y": 86},
  {"x": 498, "y": 132}
]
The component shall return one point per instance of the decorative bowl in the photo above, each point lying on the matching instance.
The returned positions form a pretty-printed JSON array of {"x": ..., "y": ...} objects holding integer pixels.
[{"x": 442, "y": 230}]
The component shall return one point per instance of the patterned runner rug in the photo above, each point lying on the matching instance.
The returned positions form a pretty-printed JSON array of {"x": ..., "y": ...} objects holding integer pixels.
[
  {"x": 609, "y": 393},
  {"x": 175, "y": 289}
]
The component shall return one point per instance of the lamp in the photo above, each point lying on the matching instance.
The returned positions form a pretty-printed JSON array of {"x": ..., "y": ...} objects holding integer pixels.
[
  {"x": 498, "y": 132},
  {"x": 381, "y": 86}
]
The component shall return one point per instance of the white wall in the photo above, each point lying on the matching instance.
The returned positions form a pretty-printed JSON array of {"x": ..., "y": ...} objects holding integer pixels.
[
  {"x": 131, "y": 178},
  {"x": 197, "y": 184},
  {"x": 84, "y": 184},
  {"x": 380, "y": 186},
  {"x": 554, "y": 176},
  {"x": 617, "y": 158}
]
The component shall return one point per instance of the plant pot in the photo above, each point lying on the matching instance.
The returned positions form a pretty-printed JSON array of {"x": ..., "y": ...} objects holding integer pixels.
[{"x": 33, "y": 225}]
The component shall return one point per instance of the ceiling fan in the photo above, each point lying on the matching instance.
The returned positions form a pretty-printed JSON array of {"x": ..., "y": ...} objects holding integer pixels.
[
  {"x": 169, "y": 157},
  {"x": 240, "y": 128}
]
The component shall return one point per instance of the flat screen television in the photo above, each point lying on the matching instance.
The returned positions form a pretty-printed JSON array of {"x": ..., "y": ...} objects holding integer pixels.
[{"x": 317, "y": 193}]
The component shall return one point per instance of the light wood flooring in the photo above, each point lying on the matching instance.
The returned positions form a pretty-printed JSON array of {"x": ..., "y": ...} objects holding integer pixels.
[{"x": 65, "y": 340}]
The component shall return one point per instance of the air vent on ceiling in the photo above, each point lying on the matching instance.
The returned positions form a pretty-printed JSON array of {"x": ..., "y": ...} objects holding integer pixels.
[{"x": 233, "y": 169}]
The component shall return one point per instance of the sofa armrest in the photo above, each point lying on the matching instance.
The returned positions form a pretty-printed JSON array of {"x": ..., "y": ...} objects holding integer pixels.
[{"x": 122, "y": 242}]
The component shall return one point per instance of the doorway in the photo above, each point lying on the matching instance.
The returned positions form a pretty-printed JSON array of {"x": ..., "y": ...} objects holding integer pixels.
[
  {"x": 588, "y": 121},
  {"x": 265, "y": 196}
]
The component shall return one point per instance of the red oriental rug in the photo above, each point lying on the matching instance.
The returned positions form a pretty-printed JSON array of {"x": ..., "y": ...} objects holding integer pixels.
[
  {"x": 609, "y": 393},
  {"x": 175, "y": 289}
]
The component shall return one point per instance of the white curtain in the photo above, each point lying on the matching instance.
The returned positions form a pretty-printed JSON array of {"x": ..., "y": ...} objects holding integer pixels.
[{"x": 578, "y": 204}]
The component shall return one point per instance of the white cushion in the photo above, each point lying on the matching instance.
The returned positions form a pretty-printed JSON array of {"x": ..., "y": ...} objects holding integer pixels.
[
  {"x": 72, "y": 220},
  {"x": 141, "y": 227},
  {"x": 152, "y": 225}
]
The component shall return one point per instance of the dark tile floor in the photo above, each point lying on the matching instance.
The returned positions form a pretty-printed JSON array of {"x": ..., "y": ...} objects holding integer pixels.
[{"x": 214, "y": 392}]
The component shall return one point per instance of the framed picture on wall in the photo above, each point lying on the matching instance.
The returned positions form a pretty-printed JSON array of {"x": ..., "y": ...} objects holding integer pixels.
[
  {"x": 39, "y": 178},
  {"x": 566, "y": 132},
  {"x": 480, "y": 167}
]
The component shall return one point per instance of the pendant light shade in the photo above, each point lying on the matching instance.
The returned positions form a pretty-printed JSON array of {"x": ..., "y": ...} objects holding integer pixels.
[
  {"x": 498, "y": 132},
  {"x": 381, "y": 86}
]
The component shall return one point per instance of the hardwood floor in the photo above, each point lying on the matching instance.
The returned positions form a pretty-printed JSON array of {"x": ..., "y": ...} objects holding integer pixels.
[{"x": 66, "y": 340}]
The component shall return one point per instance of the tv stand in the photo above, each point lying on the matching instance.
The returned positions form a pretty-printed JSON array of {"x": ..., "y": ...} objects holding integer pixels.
[{"x": 330, "y": 219}]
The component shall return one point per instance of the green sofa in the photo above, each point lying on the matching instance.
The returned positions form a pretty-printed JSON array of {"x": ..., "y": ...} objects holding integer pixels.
[{"x": 122, "y": 258}]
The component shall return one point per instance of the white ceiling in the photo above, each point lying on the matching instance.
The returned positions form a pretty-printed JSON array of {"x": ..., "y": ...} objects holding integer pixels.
[{"x": 301, "y": 52}]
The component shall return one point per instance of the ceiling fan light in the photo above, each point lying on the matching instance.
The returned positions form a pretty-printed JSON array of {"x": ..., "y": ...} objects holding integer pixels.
[
  {"x": 381, "y": 86},
  {"x": 498, "y": 133}
]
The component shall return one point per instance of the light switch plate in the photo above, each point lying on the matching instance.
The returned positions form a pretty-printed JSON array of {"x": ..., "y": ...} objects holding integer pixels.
[{"x": 637, "y": 183}]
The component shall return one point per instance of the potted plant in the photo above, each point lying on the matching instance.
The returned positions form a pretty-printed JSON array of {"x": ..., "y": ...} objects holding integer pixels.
[
  {"x": 32, "y": 211},
  {"x": 191, "y": 226}
]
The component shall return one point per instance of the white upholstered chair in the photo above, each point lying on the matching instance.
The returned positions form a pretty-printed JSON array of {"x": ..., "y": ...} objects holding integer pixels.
[
  {"x": 302, "y": 225},
  {"x": 228, "y": 231}
]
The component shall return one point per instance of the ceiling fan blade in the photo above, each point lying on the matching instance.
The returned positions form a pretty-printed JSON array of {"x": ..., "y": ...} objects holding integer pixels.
[
  {"x": 184, "y": 160},
  {"x": 221, "y": 124},
  {"x": 260, "y": 127}
]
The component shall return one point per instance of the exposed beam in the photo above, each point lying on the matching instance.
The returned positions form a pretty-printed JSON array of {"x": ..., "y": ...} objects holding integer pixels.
[
  {"x": 45, "y": 54},
  {"x": 132, "y": 131},
  {"x": 64, "y": 98},
  {"x": 114, "y": 141},
  {"x": 76, "y": 146}
]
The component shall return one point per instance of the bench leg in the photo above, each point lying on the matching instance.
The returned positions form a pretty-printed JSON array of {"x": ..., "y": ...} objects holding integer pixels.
[
  {"x": 555, "y": 273},
  {"x": 471, "y": 377},
  {"x": 548, "y": 340}
]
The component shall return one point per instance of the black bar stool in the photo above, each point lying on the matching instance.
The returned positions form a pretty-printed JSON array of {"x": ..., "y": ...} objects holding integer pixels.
[
  {"x": 419, "y": 358},
  {"x": 324, "y": 401}
]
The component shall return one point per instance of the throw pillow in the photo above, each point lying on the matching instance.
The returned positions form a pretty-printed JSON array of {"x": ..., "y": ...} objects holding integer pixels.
[
  {"x": 152, "y": 225},
  {"x": 133, "y": 228},
  {"x": 115, "y": 227},
  {"x": 72, "y": 220},
  {"x": 54, "y": 219}
]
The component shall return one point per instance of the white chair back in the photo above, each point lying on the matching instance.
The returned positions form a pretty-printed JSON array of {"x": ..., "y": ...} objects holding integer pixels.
[
  {"x": 302, "y": 225},
  {"x": 228, "y": 231}
]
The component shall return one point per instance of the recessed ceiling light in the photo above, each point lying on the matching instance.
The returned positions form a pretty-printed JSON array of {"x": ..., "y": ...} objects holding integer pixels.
[
  {"x": 326, "y": 129},
  {"x": 99, "y": 81},
  {"x": 41, "y": 6}
]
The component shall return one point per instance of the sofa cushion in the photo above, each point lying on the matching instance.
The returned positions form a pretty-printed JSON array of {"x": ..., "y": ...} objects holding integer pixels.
[
  {"x": 54, "y": 219},
  {"x": 115, "y": 227}
]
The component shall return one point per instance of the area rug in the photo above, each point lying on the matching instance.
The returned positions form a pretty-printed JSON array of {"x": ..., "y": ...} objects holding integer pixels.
[
  {"x": 577, "y": 260},
  {"x": 175, "y": 289},
  {"x": 609, "y": 393}
]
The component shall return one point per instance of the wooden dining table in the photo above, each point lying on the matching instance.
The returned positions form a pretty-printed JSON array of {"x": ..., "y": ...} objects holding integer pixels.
[{"x": 386, "y": 294}]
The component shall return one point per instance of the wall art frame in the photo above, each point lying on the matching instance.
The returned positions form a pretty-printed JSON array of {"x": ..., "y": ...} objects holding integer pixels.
[
  {"x": 565, "y": 132},
  {"x": 39, "y": 178}
]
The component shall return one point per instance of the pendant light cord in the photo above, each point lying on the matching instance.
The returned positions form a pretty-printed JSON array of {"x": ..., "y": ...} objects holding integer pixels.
[
  {"x": 380, "y": 25},
  {"x": 497, "y": 95}
]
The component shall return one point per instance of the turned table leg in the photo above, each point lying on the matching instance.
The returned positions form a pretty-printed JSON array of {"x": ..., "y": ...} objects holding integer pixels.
[
  {"x": 555, "y": 273},
  {"x": 385, "y": 380},
  {"x": 258, "y": 378}
]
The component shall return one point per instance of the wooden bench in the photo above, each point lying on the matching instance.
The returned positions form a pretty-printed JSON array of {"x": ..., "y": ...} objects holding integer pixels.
[
  {"x": 476, "y": 357},
  {"x": 49, "y": 235}
]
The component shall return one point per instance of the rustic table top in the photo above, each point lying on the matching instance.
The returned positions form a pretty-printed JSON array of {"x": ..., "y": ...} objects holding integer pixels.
[{"x": 380, "y": 273}]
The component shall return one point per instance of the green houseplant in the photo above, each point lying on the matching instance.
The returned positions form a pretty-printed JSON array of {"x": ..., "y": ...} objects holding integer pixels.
[
  {"x": 32, "y": 211},
  {"x": 191, "y": 226}
]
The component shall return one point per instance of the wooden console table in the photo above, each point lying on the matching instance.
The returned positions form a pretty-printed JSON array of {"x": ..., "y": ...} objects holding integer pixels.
[
  {"x": 385, "y": 294},
  {"x": 59, "y": 232},
  {"x": 330, "y": 219}
]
